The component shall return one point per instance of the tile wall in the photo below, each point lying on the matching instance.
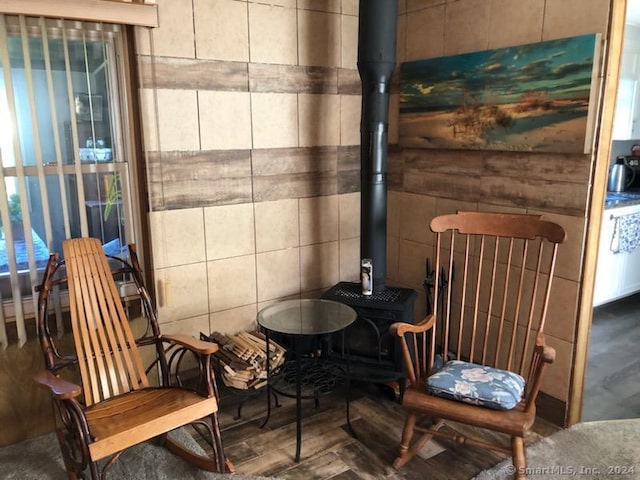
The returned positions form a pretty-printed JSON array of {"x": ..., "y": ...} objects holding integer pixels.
[
  {"x": 251, "y": 119},
  {"x": 248, "y": 187},
  {"x": 251, "y": 114},
  {"x": 443, "y": 181}
]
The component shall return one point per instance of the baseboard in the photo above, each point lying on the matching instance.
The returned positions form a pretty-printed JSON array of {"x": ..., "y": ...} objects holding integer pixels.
[{"x": 551, "y": 409}]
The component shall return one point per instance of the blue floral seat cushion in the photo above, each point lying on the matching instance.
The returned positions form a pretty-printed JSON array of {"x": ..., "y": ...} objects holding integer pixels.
[{"x": 477, "y": 384}]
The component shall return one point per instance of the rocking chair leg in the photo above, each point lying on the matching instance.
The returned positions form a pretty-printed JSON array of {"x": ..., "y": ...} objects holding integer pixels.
[
  {"x": 95, "y": 472},
  {"x": 407, "y": 451},
  {"x": 218, "y": 449},
  {"x": 519, "y": 460},
  {"x": 407, "y": 435}
]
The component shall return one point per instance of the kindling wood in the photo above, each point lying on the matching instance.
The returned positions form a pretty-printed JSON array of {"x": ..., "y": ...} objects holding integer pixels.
[{"x": 241, "y": 359}]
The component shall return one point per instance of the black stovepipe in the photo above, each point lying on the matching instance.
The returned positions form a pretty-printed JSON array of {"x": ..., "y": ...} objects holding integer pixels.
[{"x": 376, "y": 61}]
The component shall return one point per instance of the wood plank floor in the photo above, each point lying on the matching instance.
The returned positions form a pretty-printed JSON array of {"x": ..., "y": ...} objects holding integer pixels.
[
  {"x": 612, "y": 382},
  {"x": 330, "y": 451}
]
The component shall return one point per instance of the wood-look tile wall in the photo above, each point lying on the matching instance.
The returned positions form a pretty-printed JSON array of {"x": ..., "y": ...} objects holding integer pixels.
[
  {"x": 431, "y": 182},
  {"x": 245, "y": 175},
  {"x": 251, "y": 118},
  {"x": 236, "y": 224},
  {"x": 248, "y": 103}
]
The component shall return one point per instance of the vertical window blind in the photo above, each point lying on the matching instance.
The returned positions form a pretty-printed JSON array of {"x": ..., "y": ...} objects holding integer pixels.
[{"x": 64, "y": 157}]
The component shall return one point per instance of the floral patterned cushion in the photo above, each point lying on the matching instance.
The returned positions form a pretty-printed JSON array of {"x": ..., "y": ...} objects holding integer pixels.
[{"x": 471, "y": 383}]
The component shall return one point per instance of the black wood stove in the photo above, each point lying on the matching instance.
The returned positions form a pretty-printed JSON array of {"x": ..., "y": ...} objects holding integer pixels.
[{"x": 373, "y": 354}]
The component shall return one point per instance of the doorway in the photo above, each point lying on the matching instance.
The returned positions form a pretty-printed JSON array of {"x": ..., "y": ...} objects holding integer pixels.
[
  {"x": 612, "y": 380},
  {"x": 612, "y": 383}
]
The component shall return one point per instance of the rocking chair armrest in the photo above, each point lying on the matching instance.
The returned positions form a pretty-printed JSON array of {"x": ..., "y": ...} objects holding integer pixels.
[
  {"x": 547, "y": 353},
  {"x": 400, "y": 328},
  {"x": 199, "y": 347},
  {"x": 59, "y": 387},
  {"x": 543, "y": 355}
]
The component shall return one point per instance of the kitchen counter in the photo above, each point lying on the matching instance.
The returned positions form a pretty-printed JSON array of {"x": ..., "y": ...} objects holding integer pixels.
[
  {"x": 621, "y": 199},
  {"x": 618, "y": 270}
]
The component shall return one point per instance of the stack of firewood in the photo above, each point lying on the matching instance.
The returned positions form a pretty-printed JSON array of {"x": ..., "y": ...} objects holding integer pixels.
[{"x": 241, "y": 359}]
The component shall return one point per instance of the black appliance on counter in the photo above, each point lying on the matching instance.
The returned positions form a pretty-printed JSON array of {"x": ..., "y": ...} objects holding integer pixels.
[{"x": 633, "y": 161}]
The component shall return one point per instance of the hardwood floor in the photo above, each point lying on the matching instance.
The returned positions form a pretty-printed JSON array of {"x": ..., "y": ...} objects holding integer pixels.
[
  {"x": 612, "y": 383},
  {"x": 329, "y": 450},
  {"x": 612, "y": 391}
]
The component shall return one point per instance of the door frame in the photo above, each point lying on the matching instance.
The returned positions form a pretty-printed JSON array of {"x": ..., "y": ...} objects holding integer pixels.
[{"x": 600, "y": 167}]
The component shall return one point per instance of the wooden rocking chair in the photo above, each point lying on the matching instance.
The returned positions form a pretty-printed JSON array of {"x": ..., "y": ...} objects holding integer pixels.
[
  {"x": 492, "y": 283},
  {"x": 117, "y": 407}
]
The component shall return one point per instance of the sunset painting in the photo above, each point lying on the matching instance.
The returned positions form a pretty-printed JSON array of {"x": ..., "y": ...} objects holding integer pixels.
[{"x": 525, "y": 98}]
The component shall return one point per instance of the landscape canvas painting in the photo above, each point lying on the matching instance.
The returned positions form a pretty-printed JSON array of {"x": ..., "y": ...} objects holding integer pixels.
[{"x": 532, "y": 97}]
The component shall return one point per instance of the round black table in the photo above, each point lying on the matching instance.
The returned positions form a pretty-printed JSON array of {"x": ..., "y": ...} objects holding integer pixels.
[{"x": 303, "y": 318}]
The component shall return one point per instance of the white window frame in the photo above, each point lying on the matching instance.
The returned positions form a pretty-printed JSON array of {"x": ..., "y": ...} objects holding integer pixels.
[{"x": 20, "y": 306}]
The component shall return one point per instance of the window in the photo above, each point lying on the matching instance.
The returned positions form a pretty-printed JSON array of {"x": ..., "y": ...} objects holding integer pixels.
[{"x": 66, "y": 154}]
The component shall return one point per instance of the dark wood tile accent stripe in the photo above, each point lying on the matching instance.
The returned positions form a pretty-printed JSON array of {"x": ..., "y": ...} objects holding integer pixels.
[
  {"x": 441, "y": 185},
  {"x": 193, "y": 179},
  {"x": 349, "y": 169},
  {"x": 348, "y": 158},
  {"x": 455, "y": 162},
  {"x": 564, "y": 198},
  {"x": 395, "y": 169},
  {"x": 535, "y": 181},
  {"x": 156, "y": 195},
  {"x": 349, "y": 182},
  {"x": 276, "y": 161},
  {"x": 541, "y": 166},
  {"x": 207, "y": 192},
  {"x": 432, "y": 172},
  {"x": 292, "y": 79},
  {"x": 192, "y": 74},
  {"x": 154, "y": 181},
  {"x": 296, "y": 185},
  {"x": 349, "y": 82},
  {"x": 281, "y": 173},
  {"x": 187, "y": 73}
]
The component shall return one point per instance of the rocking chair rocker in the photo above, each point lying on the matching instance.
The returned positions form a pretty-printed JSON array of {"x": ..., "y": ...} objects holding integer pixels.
[
  {"x": 117, "y": 406},
  {"x": 478, "y": 358}
]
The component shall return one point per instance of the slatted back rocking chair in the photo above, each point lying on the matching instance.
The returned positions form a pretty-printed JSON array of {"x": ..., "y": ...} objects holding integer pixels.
[
  {"x": 117, "y": 406},
  {"x": 478, "y": 358}
]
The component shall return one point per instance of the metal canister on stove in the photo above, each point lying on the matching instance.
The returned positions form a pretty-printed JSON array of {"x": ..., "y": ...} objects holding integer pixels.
[{"x": 366, "y": 276}]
